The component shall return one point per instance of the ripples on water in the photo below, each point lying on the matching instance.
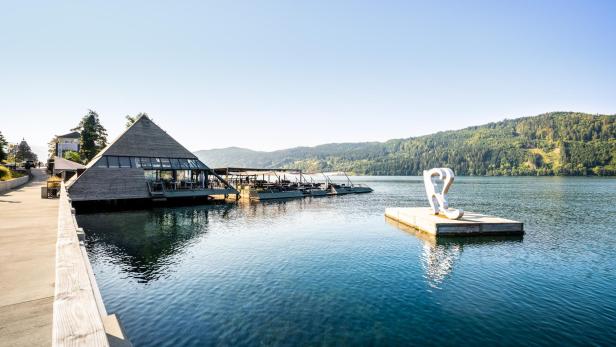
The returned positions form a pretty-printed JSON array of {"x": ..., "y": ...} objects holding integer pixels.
[{"x": 332, "y": 271}]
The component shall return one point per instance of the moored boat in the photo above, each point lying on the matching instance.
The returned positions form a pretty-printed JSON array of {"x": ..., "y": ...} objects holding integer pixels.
[{"x": 345, "y": 188}]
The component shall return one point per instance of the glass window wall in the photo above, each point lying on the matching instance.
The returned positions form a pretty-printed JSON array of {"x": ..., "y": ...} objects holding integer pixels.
[
  {"x": 124, "y": 162},
  {"x": 166, "y": 163},
  {"x": 148, "y": 163},
  {"x": 145, "y": 163},
  {"x": 113, "y": 162},
  {"x": 102, "y": 162},
  {"x": 155, "y": 163}
]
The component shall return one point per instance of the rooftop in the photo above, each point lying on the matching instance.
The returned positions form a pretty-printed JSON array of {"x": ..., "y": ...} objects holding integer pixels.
[
  {"x": 146, "y": 139},
  {"x": 61, "y": 164},
  {"x": 73, "y": 135}
]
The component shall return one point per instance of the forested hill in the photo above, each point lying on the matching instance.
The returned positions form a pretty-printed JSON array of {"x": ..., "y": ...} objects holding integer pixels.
[{"x": 557, "y": 143}]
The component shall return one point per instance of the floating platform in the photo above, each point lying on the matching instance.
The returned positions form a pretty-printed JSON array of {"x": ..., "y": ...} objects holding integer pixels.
[{"x": 470, "y": 224}]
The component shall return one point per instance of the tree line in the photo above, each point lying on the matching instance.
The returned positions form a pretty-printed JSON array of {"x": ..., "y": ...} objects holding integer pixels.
[{"x": 558, "y": 143}]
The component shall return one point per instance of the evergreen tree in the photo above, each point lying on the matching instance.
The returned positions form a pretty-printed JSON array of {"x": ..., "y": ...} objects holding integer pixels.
[
  {"x": 24, "y": 152},
  {"x": 93, "y": 136},
  {"x": 3, "y": 144}
]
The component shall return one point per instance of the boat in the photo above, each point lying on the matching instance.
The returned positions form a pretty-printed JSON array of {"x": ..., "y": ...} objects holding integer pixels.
[
  {"x": 268, "y": 184},
  {"x": 345, "y": 188},
  {"x": 264, "y": 184}
]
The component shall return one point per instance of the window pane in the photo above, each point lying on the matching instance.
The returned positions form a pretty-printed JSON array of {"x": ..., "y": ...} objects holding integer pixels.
[
  {"x": 155, "y": 162},
  {"x": 201, "y": 165},
  {"x": 113, "y": 162},
  {"x": 165, "y": 163},
  {"x": 184, "y": 163},
  {"x": 182, "y": 175},
  {"x": 192, "y": 163},
  {"x": 102, "y": 162},
  {"x": 145, "y": 163},
  {"x": 135, "y": 161},
  {"x": 175, "y": 164},
  {"x": 124, "y": 162},
  {"x": 150, "y": 175}
]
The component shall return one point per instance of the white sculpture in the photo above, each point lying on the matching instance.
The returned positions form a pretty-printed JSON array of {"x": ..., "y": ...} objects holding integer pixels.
[{"x": 438, "y": 201}]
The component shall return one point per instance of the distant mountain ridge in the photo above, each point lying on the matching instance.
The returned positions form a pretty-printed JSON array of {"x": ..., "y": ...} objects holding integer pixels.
[{"x": 556, "y": 143}]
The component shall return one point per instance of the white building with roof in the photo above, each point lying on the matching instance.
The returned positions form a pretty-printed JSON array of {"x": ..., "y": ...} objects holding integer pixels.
[{"x": 67, "y": 142}]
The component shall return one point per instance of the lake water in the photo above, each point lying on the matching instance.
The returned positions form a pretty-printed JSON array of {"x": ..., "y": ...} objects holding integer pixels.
[{"x": 332, "y": 271}]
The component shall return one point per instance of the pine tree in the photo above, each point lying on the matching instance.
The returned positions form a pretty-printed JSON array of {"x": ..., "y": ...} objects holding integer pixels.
[
  {"x": 24, "y": 152},
  {"x": 3, "y": 144},
  {"x": 93, "y": 136}
]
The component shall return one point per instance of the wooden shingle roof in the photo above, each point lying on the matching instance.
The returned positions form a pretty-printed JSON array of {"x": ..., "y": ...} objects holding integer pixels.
[
  {"x": 142, "y": 139},
  {"x": 146, "y": 139}
]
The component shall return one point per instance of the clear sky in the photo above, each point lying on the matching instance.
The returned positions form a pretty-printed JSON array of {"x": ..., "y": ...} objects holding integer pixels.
[{"x": 269, "y": 75}]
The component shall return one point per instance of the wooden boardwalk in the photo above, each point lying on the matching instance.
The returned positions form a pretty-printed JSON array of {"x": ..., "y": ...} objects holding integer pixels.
[
  {"x": 28, "y": 232},
  {"x": 48, "y": 294}
]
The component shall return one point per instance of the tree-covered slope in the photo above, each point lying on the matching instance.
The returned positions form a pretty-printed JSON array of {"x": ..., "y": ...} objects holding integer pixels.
[{"x": 558, "y": 143}]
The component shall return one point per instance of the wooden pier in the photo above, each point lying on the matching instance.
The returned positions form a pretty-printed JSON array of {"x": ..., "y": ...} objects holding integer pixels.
[
  {"x": 470, "y": 224},
  {"x": 48, "y": 293}
]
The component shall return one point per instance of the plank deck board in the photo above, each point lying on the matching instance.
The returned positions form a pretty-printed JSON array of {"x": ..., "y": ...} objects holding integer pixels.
[{"x": 76, "y": 320}]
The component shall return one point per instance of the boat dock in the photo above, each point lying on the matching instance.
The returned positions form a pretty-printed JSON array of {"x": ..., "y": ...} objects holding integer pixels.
[
  {"x": 268, "y": 184},
  {"x": 423, "y": 219}
]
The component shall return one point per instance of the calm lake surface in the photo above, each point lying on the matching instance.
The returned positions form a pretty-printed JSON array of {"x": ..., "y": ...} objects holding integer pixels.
[{"x": 332, "y": 271}]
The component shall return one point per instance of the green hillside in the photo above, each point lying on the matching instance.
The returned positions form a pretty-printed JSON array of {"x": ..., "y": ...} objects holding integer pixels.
[{"x": 557, "y": 143}]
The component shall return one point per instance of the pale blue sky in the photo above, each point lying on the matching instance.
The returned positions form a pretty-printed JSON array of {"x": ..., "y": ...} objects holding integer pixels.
[{"x": 270, "y": 75}]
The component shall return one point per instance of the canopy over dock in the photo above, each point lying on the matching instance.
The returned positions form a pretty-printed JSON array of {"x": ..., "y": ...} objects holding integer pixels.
[{"x": 253, "y": 171}]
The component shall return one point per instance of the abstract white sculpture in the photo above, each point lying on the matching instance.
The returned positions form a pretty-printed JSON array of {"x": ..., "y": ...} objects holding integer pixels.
[{"x": 438, "y": 201}]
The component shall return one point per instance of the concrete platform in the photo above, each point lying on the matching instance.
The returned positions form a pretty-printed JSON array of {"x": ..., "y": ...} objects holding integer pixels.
[{"x": 471, "y": 224}]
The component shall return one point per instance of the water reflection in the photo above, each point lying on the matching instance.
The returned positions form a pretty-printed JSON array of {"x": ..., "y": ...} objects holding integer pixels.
[
  {"x": 145, "y": 242},
  {"x": 438, "y": 261},
  {"x": 440, "y": 254},
  {"x": 281, "y": 207}
]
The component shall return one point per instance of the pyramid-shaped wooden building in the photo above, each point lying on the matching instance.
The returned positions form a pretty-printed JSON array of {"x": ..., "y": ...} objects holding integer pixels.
[{"x": 146, "y": 164}]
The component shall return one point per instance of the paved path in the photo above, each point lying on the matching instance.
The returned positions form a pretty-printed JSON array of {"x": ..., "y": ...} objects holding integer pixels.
[{"x": 28, "y": 231}]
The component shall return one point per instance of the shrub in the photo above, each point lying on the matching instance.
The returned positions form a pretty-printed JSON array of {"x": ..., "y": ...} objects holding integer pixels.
[
  {"x": 5, "y": 173},
  {"x": 8, "y": 174},
  {"x": 72, "y": 156},
  {"x": 17, "y": 174}
]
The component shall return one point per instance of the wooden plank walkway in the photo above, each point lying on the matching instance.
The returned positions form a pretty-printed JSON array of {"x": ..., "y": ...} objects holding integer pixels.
[
  {"x": 48, "y": 294},
  {"x": 77, "y": 315},
  {"x": 28, "y": 231}
]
